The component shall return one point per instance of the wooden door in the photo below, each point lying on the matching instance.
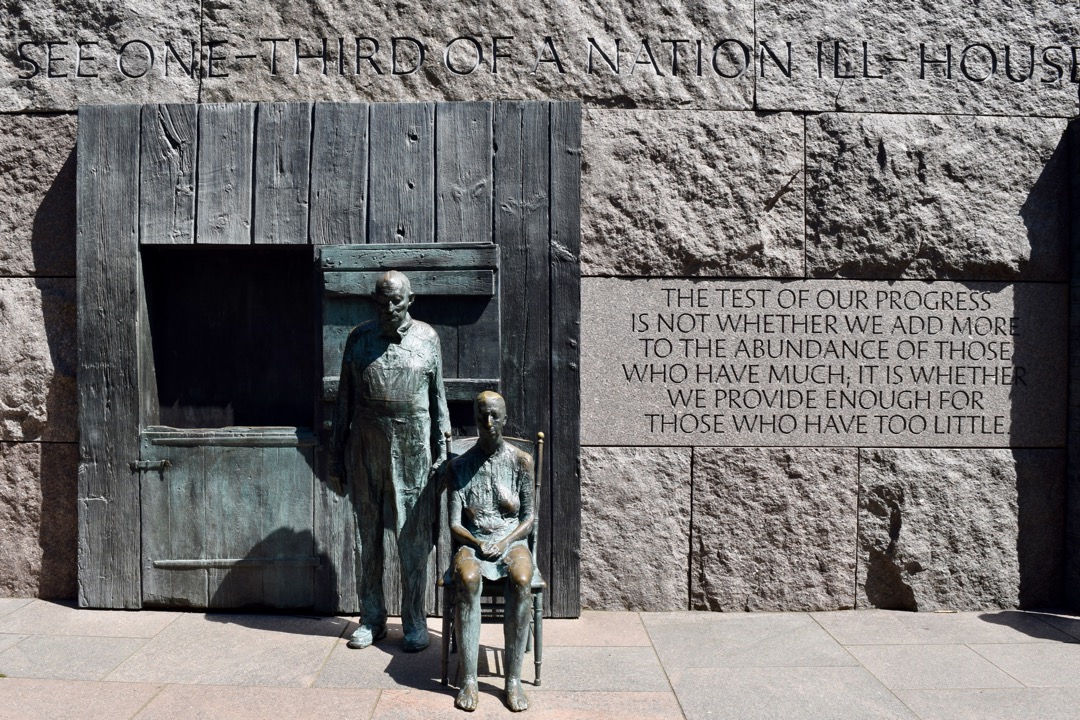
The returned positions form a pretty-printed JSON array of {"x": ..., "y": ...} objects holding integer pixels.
[
  {"x": 230, "y": 517},
  {"x": 504, "y": 174}
]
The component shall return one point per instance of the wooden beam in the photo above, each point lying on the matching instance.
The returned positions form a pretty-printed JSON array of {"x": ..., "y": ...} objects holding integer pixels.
[
  {"x": 564, "y": 594},
  {"x": 440, "y": 282},
  {"x": 167, "y": 174},
  {"x": 443, "y": 256},
  {"x": 224, "y": 178},
  {"x": 339, "y": 166},
  {"x": 463, "y": 172},
  {"x": 282, "y": 173},
  {"x": 109, "y": 288},
  {"x": 401, "y": 192},
  {"x": 522, "y": 230}
]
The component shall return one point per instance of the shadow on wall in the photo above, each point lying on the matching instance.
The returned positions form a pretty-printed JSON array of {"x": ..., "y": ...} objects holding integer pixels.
[
  {"x": 936, "y": 526},
  {"x": 1040, "y": 495},
  {"x": 1072, "y": 487},
  {"x": 286, "y": 587},
  {"x": 53, "y": 247}
]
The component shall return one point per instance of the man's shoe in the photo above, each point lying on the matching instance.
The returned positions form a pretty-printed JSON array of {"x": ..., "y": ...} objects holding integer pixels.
[
  {"x": 416, "y": 640},
  {"x": 365, "y": 635}
]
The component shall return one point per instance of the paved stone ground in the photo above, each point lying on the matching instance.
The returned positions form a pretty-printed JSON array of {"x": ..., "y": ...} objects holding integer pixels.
[{"x": 60, "y": 662}]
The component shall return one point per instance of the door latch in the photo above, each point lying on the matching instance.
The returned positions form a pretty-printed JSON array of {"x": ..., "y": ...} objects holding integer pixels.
[{"x": 150, "y": 466}]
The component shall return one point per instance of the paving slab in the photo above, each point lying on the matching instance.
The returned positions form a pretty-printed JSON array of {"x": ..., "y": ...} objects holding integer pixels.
[
  {"x": 410, "y": 704},
  {"x": 892, "y": 627},
  {"x": 901, "y": 667},
  {"x": 1013, "y": 704},
  {"x": 1036, "y": 665},
  {"x": 616, "y": 669},
  {"x": 67, "y": 657},
  {"x": 228, "y": 649},
  {"x": 592, "y": 629},
  {"x": 789, "y": 693},
  {"x": 9, "y": 605},
  {"x": 7, "y": 641},
  {"x": 28, "y": 699},
  {"x": 1069, "y": 624},
  {"x": 43, "y": 617},
  {"x": 199, "y": 702},
  {"x": 382, "y": 665},
  {"x": 713, "y": 640}
]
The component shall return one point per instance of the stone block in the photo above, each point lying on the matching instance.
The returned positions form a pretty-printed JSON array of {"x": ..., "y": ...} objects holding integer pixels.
[
  {"x": 851, "y": 363},
  {"x": 38, "y": 359},
  {"x": 773, "y": 529},
  {"x": 700, "y": 194},
  {"x": 358, "y": 69},
  {"x": 37, "y": 180},
  {"x": 960, "y": 529},
  {"x": 998, "y": 58},
  {"x": 929, "y": 197},
  {"x": 38, "y": 523},
  {"x": 58, "y": 56},
  {"x": 635, "y": 528}
]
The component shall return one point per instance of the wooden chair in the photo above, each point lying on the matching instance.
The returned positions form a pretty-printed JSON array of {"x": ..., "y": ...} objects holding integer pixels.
[{"x": 493, "y": 590}]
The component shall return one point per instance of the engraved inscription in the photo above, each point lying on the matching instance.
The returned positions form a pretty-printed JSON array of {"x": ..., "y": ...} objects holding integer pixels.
[{"x": 823, "y": 363}]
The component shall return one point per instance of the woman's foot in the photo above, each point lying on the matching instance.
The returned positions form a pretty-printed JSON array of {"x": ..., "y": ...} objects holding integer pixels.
[
  {"x": 515, "y": 695},
  {"x": 468, "y": 696}
]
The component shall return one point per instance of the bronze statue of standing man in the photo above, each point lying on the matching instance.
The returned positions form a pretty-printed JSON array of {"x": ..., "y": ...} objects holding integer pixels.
[{"x": 387, "y": 438}]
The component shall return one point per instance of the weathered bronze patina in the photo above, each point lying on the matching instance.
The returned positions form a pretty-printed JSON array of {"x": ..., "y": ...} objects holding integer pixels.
[
  {"x": 388, "y": 424},
  {"x": 491, "y": 515}
]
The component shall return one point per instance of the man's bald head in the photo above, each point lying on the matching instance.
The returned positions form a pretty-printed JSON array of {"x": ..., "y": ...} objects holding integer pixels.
[{"x": 393, "y": 280}]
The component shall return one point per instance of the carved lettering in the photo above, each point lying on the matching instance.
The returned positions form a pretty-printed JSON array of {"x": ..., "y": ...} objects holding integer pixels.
[{"x": 855, "y": 361}]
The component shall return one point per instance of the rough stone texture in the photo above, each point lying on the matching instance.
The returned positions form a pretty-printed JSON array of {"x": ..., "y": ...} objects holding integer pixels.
[
  {"x": 961, "y": 529},
  {"x": 569, "y": 24},
  {"x": 774, "y": 529},
  {"x": 37, "y": 180},
  {"x": 111, "y": 24},
  {"x": 896, "y": 31},
  {"x": 706, "y": 193},
  {"x": 38, "y": 519},
  {"x": 37, "y": 359},
  {"x": 904, "y": 196},
  {"x": 635, "y": 528}
]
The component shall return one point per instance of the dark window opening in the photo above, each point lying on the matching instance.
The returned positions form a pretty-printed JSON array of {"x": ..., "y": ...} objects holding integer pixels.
[{"x": 234, "y": 334}]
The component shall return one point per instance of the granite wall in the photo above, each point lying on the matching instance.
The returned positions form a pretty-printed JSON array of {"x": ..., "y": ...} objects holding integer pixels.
[{"x": 831, "y": 139}]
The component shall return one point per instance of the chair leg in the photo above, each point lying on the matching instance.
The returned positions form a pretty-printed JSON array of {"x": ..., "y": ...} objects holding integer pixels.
[
  {"x": 447, "y": 633},
  {"x": 538, "y": 631},
  {"x": 532, "y": 629}
]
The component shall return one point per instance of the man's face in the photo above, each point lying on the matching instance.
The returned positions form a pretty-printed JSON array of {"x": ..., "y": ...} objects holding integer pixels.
[
  {"x": 490, "y": 418},
  {"x": 392, "y": 302}
]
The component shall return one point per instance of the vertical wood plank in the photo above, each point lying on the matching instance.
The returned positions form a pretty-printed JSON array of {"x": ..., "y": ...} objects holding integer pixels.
[
  {"x": 463, "y": 172},
  {"x": 167, "y": 174},
  {"x": 109, "y": 552},
  {"x": 287, "y": 531},
  {"x": 401, "y": 198},
  {"x": 282, "y": 172},
  {"x": 235, "y": 502},
  {"x": 174, "y": 501},
  {"x": 463, "y": 208},
  {"x": 522, "y": 230},
  {"x": 564, "y": 594},
  {"x": 339, "y": 166},
  {"x": 224, "y": 178},
  {"x": 335, "y": 525}
]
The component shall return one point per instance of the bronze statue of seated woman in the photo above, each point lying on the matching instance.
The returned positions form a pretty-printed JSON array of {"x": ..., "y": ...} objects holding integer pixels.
[{"x": 491, "y": 514}]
